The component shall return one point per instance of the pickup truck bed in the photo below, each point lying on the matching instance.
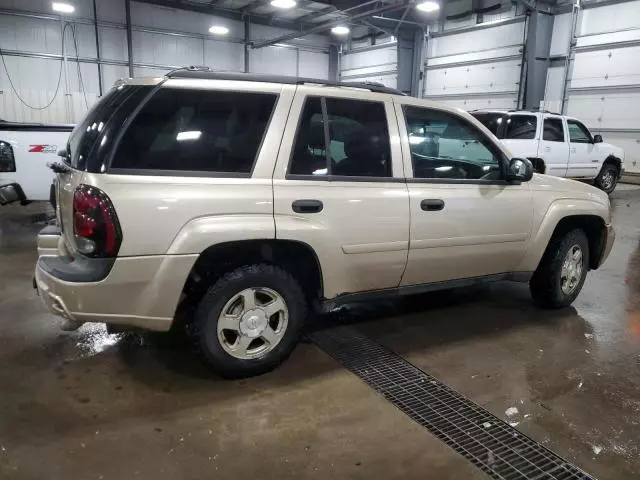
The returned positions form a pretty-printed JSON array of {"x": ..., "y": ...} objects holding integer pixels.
[{"x": 25, "y": 151}]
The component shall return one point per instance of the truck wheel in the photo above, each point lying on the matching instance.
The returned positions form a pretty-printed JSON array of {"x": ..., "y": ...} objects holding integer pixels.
[
  {"x": 249, "y": 321},
  {"x": 608, "y": 178},
  {"x": 562, "y": 271}
]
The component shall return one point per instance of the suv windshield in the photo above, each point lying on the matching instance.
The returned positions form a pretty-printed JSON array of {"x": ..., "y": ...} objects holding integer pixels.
[{"x": 493, "y": 121}]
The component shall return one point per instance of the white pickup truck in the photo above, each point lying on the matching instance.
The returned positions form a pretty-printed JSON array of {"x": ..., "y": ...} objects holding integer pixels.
[
  {"x": 556, "y": 145},
  {"x": 26, "y": 149}
]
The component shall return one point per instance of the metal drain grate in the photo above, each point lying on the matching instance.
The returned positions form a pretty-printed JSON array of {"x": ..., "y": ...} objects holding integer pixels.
[{"x": 492, "y": 445}]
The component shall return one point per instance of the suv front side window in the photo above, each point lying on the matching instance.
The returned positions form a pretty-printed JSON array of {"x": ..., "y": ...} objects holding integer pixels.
[
  {"x": 444, "y": 146},
  {"x": 196, "y": 131},
  {"x": 342, "y": 138}
]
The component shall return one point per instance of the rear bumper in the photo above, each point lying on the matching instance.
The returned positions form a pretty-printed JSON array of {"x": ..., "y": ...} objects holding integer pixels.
[{"x": 139, "y": 292}]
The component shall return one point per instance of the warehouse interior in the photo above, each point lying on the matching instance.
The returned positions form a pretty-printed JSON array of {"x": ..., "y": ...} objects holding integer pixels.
[{"x": 96, "y": 404}]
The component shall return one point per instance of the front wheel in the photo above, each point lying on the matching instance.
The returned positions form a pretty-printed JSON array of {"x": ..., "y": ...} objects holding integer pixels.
[
  {"x": 562, "y": 271},
  {"x": 249, "y": 321},
  {"x": 608, "y": 178}
]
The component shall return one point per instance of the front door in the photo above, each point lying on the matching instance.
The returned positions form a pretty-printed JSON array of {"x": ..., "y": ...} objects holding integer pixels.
[
  {"x": 339, "y": 187},
  {"x": 466, "y": 220},
  {"x": 554, "y": 147},
  {"x": 584, "y": 158}
]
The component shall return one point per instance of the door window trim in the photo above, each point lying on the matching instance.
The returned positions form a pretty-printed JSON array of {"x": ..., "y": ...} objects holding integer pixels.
[
  {"x": 502, "y": 158},
  {"x": 327, "y": 139}
]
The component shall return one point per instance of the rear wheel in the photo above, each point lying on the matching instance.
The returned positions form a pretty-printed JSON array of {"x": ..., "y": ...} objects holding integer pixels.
[
  {"x": 562, "y": 271},
  {"x": 608, "y": 178},
  {"x": 249, "y": 321}
]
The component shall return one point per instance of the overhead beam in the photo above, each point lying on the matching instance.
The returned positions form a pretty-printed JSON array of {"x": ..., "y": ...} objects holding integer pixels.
[
  {"x": 213, "y": 9},
  {"x": 328, "y": 25},
  {"x": 308, "y": 18}
]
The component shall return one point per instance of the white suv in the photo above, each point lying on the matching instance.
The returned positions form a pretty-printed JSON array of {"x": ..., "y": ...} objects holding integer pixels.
[
  {"x": 557, "y": 145},
  {"x": 243, "y": 201}
]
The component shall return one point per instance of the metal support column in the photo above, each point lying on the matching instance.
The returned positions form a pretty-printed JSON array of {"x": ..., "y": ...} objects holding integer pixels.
[
  {"x": 334, "y": 64},
  {"x": 127, "y": 10},
  {"x": 410, "y": 60},
  {"x": 97, "y": 33},
  {"x": 247, "y": 39},
  {"x": 570, "y": 52},
  {"x": 538, "y": 45}
]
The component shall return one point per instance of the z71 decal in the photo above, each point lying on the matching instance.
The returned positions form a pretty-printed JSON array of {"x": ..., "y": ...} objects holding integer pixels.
[{"x": 43, "y": 148}]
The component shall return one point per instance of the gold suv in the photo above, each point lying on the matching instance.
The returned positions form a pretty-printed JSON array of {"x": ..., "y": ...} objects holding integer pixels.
[{"x": 246, "y": 200}]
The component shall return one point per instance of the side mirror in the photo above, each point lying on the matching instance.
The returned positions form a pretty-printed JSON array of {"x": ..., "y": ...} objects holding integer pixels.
[
  {"x": 519, "y": 170},
  {"x": 597, "y": 139}
]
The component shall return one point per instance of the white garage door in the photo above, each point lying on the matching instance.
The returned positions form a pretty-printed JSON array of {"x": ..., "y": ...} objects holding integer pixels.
[{"x": 487, "y": 77}]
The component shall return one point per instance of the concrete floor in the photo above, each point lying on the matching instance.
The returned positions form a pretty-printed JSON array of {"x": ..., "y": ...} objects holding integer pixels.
[{"x": 87, "y": 405}]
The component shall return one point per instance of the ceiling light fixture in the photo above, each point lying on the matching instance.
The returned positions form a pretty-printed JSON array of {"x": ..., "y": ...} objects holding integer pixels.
[
  {"x": 218, "y": 30},
  {"x": 283, "y": 3},
  {"x": 62, "y": 7},
  {"x": 428, "y": 6},
  {"x": 340, "y": 30}
]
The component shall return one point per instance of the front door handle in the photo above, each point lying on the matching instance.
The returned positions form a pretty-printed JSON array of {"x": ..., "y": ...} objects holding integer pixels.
[
  {"x": 307, "y": 206},
  {"x": 432, "y": 204}
]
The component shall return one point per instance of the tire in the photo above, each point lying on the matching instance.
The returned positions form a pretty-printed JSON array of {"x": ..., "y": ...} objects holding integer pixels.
[
  {"x": 230, "y": 295},
  {"x": 608, "y": 178},
  {"x": 546, "y": 285}
]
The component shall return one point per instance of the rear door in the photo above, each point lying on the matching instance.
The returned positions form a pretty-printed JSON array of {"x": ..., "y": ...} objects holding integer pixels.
[
  {"x": 339, "y": 187},
  {"x": 554, "y": 146},
  {"x": 584, "y": 157}
]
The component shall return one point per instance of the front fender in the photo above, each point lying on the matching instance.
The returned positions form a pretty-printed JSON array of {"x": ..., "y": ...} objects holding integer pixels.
[
  {"x": 557, "y": 211},
  {"x": 201, "y": 233}
]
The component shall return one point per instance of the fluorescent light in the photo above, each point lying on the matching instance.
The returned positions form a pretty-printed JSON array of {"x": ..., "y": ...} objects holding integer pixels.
[
  {"x": 188, "y": 135},
  {"x": 443, "y": 169},
  {"x": 219, "y": 30},
  {"x": 340, "y": 30},
  {"x": 62, "y": 7},
  {"x": 428, "y": 6},
  {"x": 283, "y": 3}
]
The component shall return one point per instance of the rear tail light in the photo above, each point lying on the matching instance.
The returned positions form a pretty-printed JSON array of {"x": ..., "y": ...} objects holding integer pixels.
[{"x": 95, "y": 223}]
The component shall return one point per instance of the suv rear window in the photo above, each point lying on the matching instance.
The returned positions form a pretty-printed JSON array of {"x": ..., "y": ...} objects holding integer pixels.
[
  {"x": 84, "y": 136},
  {"x": 196, "y": 131},
  {"x": 521, "y": 127}
]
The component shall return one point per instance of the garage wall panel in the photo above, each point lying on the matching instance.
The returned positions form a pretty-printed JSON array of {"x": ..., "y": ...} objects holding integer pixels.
[
  {"x": 273, "y": 60},
  {"x": 603, "y": 87},
  {"x": 224, "y": 56},
  {"x": 313, "y": 65},
  {"x": 378, "y": 64},
  {"x": 476, "y": 68}
]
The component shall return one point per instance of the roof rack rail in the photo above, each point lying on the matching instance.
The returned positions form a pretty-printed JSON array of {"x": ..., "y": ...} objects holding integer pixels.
[
  {"x": 207, "y": 73},
  {"x": 534, "y": 110}
]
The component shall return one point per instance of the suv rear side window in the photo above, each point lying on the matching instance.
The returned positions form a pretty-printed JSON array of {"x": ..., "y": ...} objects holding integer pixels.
[
  {"x": 493, "y": 121},
  {"x": 521, "y": 127},
  {"x": 444, "y": 146},
  {"x": 196, "y": 131},
  {"x": 358, "y": 139},
  {"x": 553, "y": 130}
]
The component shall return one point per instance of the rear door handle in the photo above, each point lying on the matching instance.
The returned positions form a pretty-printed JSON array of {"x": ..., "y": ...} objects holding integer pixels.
[
  {"x": 307, "y": 206},
  {"x": 432, "y": 204}
]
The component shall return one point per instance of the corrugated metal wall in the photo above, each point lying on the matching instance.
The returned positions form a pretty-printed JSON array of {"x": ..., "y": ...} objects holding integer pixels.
[
  {"x": 162, "y": 39},
  {"x": 476, "y": 67},
  {"x": 603, "y": 84}
]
